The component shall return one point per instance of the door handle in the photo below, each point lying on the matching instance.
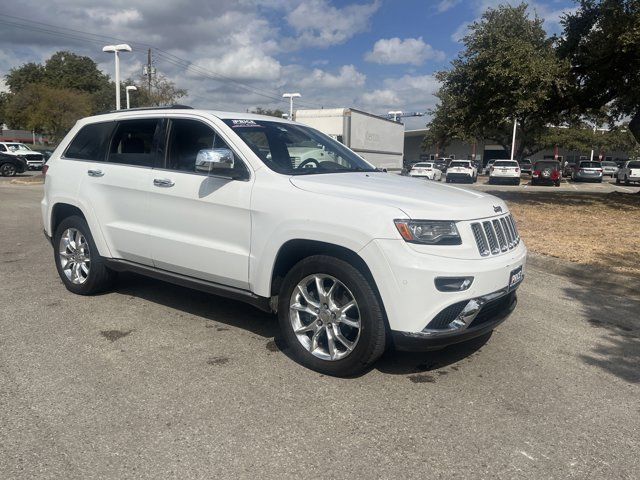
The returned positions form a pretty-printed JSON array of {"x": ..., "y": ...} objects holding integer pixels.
[
  {"x": 163, "y": 182},
  {"x": 95, "y": 173}
]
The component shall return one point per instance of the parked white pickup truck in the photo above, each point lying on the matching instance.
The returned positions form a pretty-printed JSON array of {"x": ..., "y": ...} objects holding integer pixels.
[{"x": 352, "y": 259}]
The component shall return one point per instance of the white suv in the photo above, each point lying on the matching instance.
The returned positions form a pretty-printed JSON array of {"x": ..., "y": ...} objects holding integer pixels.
[{"x": 352, "y": 259}]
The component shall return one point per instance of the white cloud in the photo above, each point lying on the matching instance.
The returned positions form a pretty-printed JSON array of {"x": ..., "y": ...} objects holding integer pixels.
[
  {"x": 445, "y": 5},
  {"x": 348, "y": 76},
  {"x": 320, "y": 24},
  {"x": 394, "y": 51},
  {"x": 407, "y": 93},
  {"x": 380, "y": 99},
  {"x": 243, "y": 63}
]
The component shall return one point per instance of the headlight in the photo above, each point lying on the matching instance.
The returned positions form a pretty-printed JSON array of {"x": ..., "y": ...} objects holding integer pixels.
[{"x": 429, "y": 232}]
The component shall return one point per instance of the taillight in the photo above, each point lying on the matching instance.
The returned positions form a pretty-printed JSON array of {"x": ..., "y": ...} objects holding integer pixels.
[
  {"x": 491, "y": 170},
  {"x": 517, "y": 170},
  {"x": 45, "y": 167}
]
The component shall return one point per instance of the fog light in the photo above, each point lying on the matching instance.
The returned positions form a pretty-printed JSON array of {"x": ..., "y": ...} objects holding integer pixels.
[{"x": 453, "y": 284}]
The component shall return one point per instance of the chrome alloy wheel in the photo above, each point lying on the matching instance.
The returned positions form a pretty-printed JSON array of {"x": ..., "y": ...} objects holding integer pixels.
[
  {"x": 325, "y": 317},
  {"x": 75, "y": 257}
]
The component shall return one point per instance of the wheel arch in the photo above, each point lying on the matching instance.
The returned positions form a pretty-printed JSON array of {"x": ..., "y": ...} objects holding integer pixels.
[
  {"x": 63, "y": 209},
  {"x": 293, "y": 251}
]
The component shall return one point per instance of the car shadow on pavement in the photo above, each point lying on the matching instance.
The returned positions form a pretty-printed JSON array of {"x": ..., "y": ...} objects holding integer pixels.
[
  {"x": 396, "y": 362},
  {"x": 238, "y": 314},
  {"x": 617, "y": 351},
  {"x": 207, "y": 306}
]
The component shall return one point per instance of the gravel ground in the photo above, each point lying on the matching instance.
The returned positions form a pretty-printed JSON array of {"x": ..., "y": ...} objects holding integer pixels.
[{"x": 156, "y": 381}]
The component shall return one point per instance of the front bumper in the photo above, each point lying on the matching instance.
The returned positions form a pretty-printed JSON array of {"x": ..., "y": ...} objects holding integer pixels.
[
  {"x": 475, "y": 318},
  {"x": 405, "y": 277}
]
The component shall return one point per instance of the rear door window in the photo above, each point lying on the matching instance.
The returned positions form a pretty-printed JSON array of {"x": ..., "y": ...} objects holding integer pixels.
[
  {"x": 91, "y": 142},
  {"x": 135, "y": 142}
]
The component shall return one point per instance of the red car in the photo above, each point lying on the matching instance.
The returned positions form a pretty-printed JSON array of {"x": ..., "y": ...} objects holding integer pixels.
[{"x": 546, "y": 172}]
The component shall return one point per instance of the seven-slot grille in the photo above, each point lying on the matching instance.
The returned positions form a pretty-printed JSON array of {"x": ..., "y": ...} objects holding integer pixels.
[{"x": 495, "y": 236}]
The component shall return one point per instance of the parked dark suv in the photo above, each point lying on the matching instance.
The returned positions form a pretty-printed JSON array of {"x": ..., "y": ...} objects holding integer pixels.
[
  {"x": 546, "y": 172},
  {"x": 10, "y": 165}
]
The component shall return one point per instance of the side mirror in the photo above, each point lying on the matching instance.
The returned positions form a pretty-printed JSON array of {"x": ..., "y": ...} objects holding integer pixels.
[{"x": 211, "y": 159}]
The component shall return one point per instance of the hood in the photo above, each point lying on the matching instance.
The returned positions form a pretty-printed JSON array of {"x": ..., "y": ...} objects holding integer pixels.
[{"x": 416, "y": 198}]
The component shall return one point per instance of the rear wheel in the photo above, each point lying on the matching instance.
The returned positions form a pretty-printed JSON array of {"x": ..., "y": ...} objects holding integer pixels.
[
  {"x": 8, "y": 169},
  {"x": 617, "y": 180},
  {"x": 330, "y": 317},
  {"x": 80, "y": 266}
]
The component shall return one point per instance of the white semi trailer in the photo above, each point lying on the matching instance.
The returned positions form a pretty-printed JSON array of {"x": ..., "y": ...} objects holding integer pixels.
[{"x": 378, "y": 140}]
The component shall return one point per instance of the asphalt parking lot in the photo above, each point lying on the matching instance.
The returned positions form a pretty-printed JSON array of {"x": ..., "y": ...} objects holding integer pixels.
[{"x": 156, "y": 381}]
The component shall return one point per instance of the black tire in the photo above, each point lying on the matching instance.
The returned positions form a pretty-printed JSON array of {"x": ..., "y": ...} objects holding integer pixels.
[
  {"x": 371, "y": 343},
  {"x": 626, "y": 181},
  {"x": 8, "y": 169},
  {"x": 100, "y": 277},
  {"x": 447, "y": 180},
  {"x": 617, "y": 180}
]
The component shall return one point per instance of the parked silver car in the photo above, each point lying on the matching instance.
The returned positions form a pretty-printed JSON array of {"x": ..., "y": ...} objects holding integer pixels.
[
  {"x": 587, "y": 171},
  {"x": 609, "y": 168}
]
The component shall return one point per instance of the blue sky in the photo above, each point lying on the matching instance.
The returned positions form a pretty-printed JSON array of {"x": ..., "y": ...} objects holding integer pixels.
[{"x": 372, "y": 54}]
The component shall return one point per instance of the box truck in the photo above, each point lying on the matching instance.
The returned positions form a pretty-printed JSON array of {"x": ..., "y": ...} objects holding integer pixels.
[{"x": 378, "y": 140}]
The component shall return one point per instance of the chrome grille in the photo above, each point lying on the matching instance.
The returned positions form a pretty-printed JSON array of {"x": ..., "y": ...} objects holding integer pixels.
[{"x": 495, "y": 236}]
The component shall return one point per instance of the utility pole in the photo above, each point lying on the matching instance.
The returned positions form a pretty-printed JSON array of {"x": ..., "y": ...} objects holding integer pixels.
[{"x": 149, "y": 70}]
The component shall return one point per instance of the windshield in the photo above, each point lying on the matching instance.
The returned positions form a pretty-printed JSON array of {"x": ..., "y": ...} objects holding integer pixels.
[
  {"x": 422, "y": 165},
  {"x": 545, "y": 165},
  {"x": 634, "y": 164},
  {"x": 459, "y": 164},
  {"x": 505, "y": 163},
  {"x": 526, "y": 162},
  {"x": 296, "y": 149},
  {"x": 16, "y": 147},
  {"x": 589, "y": 164},
  {"x": 609, "y": 164}
]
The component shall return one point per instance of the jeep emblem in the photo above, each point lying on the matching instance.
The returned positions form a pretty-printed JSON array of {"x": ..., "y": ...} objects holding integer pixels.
[{"x": 497, "y": 209}]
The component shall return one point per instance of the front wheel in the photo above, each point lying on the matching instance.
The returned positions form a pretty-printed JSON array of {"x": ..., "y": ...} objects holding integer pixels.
[
  {"x": 7, "y": 170},
  {"x": 80, "y": 266},
  {"x": 330, "y": 317}
]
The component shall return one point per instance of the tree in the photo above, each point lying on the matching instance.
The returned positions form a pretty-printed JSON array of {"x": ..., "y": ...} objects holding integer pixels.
[
  {"x": 4, "y": 99},
  {"x": 508, "y": 70},
  {"x": 601, "y": 42},
  {"x": 163, "y": 92},
  {"x": 48, "y": 109},
  {"x": 271, "y": 113},
  {"x": 18, "y": 78}
]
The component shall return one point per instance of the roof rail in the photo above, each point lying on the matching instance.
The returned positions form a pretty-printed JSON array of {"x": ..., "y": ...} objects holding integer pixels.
[{"x": 138, "y": 109}]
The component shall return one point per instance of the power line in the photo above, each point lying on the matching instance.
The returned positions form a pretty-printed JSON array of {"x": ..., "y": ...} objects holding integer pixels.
[{"x": 98, "y": 39}]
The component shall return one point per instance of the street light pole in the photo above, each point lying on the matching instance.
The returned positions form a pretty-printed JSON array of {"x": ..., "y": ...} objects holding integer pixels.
[
  {"x": 116, "y": 49},
  {"x": 129, "y": 88},
  {"x": 395, "y": 114},
  {"x": 291, "y": 96},
  {"x": 513, "y": 139}
]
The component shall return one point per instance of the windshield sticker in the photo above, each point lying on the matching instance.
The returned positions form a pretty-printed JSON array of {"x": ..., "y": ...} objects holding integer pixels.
[{"x": 244, "y": 123}]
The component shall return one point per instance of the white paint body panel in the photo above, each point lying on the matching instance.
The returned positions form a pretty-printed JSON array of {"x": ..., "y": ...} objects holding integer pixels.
[{"x": 230, "y": 232}]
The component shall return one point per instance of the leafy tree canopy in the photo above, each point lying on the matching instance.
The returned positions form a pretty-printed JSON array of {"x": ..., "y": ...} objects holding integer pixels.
[
  {"x": 271, "y": 113},
  {"x": 601, "y": 42},
  {"x": 508, "y": 70}
]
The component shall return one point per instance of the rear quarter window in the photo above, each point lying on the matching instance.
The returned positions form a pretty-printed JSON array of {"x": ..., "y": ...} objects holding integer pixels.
[{"x": 91, "y": 142}]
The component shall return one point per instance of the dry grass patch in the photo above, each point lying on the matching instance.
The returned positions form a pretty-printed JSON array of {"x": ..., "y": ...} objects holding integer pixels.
[{"x": 586, "y": 228}]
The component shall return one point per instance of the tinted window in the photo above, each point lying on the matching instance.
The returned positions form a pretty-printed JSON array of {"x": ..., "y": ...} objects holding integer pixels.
[
  {"x": 609, "y": 164},
  {"x": 187, "y": 138},
  {"x": 460, "y": 164},
  {"x": 589, "y": 164},
  {"x": 134, "y": 143},
  {"x": 422, "y": 165},
  {"x": 545, "y": 165},
  {"x": 505, "y": 163},
  {"x": 634, "y": 164},
  {"x": 3, "y": 148},
  {"x": 91, "y": 142},
  {"x": 295, "y": 149}
]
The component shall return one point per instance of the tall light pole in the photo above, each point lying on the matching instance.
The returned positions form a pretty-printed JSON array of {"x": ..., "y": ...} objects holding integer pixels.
[
  {"x": 513, "y": 139},
  {"x": 291, "y": 96},
  {"x": 127, "y": 89},
  {"x": 395, "y": 114},
  {"x": 595, "y": 128},
  {"x": 116, "y": 49}
]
